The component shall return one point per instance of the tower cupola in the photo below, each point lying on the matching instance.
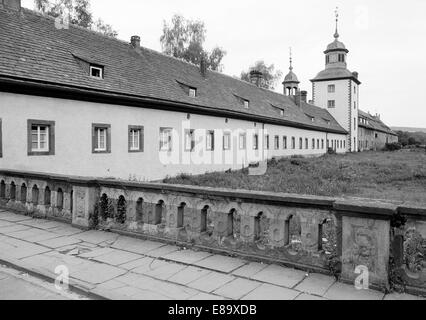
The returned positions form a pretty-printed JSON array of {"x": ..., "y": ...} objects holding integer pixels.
[
  {"x": 336, "y": 52},
  {"x": 291, "y": 82}
]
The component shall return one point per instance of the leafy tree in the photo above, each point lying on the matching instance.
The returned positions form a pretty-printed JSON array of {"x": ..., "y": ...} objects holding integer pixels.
[
  {"x": 184, "y": 39},
  {"x": 270, "y": 75},
  {"x": 78, "y": 12}
]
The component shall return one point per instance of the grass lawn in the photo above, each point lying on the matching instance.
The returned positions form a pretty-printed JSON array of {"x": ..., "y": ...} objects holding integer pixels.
[{"x": 399, "y": 175}]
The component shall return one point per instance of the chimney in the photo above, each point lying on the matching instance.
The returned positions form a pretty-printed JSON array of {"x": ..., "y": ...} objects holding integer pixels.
[
  {"x": 256, "y": 77},
  {"x": 298, "y": 98},
  {"x": 203, "y": 66},
  {"x": 11, "y": 4},
  {"x": 304, "y": 96},
  {"x": 135, "y": 41}
]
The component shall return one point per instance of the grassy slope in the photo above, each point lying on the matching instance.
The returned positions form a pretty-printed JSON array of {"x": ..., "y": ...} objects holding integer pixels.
[{"x": 382, "y": 175}]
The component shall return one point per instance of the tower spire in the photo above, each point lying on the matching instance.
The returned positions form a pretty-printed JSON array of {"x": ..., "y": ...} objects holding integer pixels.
[
  {"x": 336, "y": 34},
  {"x": 291, "y": 61}
]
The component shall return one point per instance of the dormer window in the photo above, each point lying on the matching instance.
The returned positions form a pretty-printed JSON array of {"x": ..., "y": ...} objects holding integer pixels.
[
  {"x": 310, "y": 117},
  {"x": 282, "y": 112},
  {"x": 192, "y": 92},
  {"x": 96, "y": 72},
  {"x": 246, "y": 104}
]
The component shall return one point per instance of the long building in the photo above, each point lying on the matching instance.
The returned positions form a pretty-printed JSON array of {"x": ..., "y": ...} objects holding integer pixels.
[{"x": 75, "y": 102}]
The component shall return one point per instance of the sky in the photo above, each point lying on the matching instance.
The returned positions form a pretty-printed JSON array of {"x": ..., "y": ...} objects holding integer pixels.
[{"x": 386, "y": 41}]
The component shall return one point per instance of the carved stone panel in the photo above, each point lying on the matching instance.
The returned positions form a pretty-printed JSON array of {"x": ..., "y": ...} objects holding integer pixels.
[{"x": 365, "y": 245}]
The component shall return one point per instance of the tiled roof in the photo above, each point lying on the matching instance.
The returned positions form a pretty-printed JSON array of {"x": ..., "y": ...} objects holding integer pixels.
[
  {"x": 335, "y": 73},
  {"x": 33, "y": 49},
  {"x": 374, "y": 123}
]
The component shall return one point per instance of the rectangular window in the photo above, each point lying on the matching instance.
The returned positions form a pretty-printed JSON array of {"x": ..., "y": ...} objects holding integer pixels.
[
  {"x": 41, "y": 138},
  {"x": 306, "y": 143},
  {"x": 276, "y": 142},
  {"x": 267, "y": 142},
  {"x": 96, "y": 72},
  {"x": 331, "y": 103},
  {"x": 166, "y": 139},
  {"x": 210, "y": 140},
  {"x": 284, "y": 142},
  {"x": 344, "y": 144},
  {"x": 355, "y": 105},
  {"x": 192, "y": 92},
  {"x": 255, "y": 142},
  {"x": 355, "y": 123},
  {"x": 136, "y": 139},
  {"x": 318, "y": 144},
  {"x": 189, "y": 140},
  {"x": 300, "y": 143},
  {"x": 101, "y": 138},
  {"x": 322, "y": 144},
  {"x": 242, "y": 141},
  {"x": 331, "y": 88},
  {"x": 246, "y": 104},
  {"x": 313, "y": 144},
  {"x": 293, "y": 142},
  {"x": 227, "y": 141}
]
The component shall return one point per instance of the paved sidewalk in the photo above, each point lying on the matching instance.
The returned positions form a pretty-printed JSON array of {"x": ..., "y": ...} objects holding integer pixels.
[{"x": 117, "y": 267}]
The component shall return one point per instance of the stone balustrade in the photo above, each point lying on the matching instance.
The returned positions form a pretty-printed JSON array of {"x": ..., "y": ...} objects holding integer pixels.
[{"x": 346, "y": 237}]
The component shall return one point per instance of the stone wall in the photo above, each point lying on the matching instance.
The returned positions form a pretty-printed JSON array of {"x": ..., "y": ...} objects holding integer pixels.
[{"x": 339, "y": 236}]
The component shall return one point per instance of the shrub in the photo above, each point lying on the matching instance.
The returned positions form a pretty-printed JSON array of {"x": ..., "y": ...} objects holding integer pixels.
[{"x": 393, "y": 146}]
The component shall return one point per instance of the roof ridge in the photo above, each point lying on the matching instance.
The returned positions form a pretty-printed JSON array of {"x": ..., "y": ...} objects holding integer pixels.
[{"x": 71, "y": 25}]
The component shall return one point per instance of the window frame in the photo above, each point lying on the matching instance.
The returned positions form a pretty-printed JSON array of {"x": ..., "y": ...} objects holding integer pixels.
[
  {"x": 50, "y": 137},
  {"x": 169, "y": 141},
  {"x": 255, "y": 141},
  {"x": 266, "y": 142},
  {"x": 331, "y": 88},
  {"x": 293, "y": 143},
  {"x": 276, "y": 142},
  {"x": 242, "y": 138},
  {"x": 211, "y": 134},
  {"x": 246, "y": 104},
  {"x": 104, "y": 126},
  {"x": 189, "y": 134},
  {"x": 227, "y": 137},
  {"x": 141, "y": 138},
  {"x": 331, "y": 104},
  {"x": 194, "y": 90},
  {"x": 96, "y": 67},
  {"x": 285, "y": 143}
]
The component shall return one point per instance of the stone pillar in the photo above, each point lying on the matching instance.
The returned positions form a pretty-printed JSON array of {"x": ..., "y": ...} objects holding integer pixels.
[
  {"x": 310, "y": 231},
  {"x": 247, "y": 233},
  {"x": 276, "y": 232},
  {"x": 221, "y": 228},
  {"x": 85, "y": 200},
  {"x": 365, "y": 241}
]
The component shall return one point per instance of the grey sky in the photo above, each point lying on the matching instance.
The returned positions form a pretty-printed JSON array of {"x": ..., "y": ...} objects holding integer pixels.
[{"x": 386, "y": 40}]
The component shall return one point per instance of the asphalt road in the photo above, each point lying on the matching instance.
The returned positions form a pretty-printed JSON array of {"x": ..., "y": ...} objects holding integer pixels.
[{"x": 16, "y": 285}]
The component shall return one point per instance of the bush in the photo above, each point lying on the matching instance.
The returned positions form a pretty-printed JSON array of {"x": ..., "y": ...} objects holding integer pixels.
[{"x": 393, "y": 146}]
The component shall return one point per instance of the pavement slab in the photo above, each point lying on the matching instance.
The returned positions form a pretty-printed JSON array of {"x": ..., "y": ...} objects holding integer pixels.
[
  {"x": 211, "y": 282},
  {"x": 158, "y": 269},
  {"x": 187, "y": 256},
  {"x": 12, "y": 217},
  {"x": 136, "y": 245},
  {"x": 13, "y": 228},
  {"x": 271, "y": 292},
  {"x": 117, "y": 257},
  {"x": 249, "y": 270},
  {"x": 188, "y": 275},
  {"x": 220, "y": 263},
  {"x": 20, "y": 249},
  {"x": 316, "y": 284},
  {"x": 342, "y": 291},
  {"x": 96, "y": 237},
  {"x": 237, "y": 289},
  {"x": 280, "y": 276},
  {"x": 59, "y": 242},
  {"x": 156, "y": 289},
  {"x": 308, "y": 297}
]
